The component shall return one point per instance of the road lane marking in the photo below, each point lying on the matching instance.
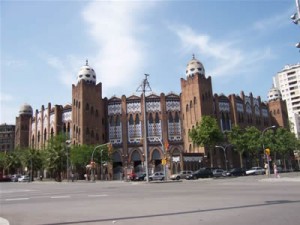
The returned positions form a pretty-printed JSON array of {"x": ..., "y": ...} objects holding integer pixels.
[
  {"x": 16, "y": 199},
  {"x": 62, "y": 196},
  {"x": 103, "y": 195}
]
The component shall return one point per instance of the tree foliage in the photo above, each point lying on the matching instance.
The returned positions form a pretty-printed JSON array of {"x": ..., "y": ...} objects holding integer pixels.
[{"x": 207, "y": 133}]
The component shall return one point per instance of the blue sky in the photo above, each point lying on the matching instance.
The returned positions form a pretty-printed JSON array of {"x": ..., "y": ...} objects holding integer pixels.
[{"x": 241, "y": 43}]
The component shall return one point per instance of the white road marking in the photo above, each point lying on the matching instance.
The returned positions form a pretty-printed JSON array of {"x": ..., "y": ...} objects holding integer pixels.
[
  {"x": 16, "y": 199},
  {"x": 62, "y": 196},
  {"x": 104, "y": 195}
]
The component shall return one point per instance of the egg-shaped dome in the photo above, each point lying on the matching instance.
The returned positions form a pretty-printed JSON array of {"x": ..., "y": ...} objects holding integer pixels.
[
  {"x": 274, "y": 94},
  {"x": 25, "y": 110},
  {"x": 87, "y": 74},
  {"x": 194, "y": 66}
]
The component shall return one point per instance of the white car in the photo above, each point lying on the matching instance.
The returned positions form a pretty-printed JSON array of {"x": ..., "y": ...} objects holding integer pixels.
[
  {"x": 157, "y": 176},
  {"x": 24, "y": 178},
  {"x": 256, "y": 171},
  {"x": 182, "y": 175}
]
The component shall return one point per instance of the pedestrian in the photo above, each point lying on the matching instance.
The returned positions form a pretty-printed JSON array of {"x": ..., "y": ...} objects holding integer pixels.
[
  {"x": 275, "y": 170},
  {"x": 267, "y": 169},
  {"x": 72, "y": 176}
]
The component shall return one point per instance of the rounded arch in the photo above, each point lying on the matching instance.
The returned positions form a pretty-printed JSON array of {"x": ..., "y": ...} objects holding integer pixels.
[{"x": 116, "y": 157}]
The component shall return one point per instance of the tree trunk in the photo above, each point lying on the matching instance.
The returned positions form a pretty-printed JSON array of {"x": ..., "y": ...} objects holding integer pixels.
[{"x": 241, "y": 159}]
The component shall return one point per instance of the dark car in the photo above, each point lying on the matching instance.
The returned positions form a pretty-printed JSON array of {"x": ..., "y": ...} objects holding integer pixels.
[
  {"x": 140, "y": 176},
  {"x": 236, "y": 172},
  {"x": 201, "y": 173}
]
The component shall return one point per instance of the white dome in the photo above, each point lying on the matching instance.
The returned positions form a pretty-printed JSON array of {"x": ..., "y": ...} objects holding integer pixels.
[
  {"x": 193, "y": 67},
  {"x": 87, "y": 74},
  {"x": 274, "y": 94},
  {"x": 25, "y": 110}
]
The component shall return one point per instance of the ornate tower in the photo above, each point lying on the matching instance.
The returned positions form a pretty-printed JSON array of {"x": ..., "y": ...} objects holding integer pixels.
[
  {"x": 277, "y": 108},
  {"x": 196, "y": 100},
  {"x": 22, "y": 126},
  {"x": 88, "y": 109}
]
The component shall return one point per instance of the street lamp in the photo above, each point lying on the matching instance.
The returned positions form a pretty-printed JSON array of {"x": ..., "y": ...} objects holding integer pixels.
[
  {"x": 224, "y": 149},
  {"x": 145, "y": 86},
  {"x": 267, "y": 157},
  {"x": 68, "y": 142},
  {"x": 164, "y": 151},
  {"x": 92, "y": 159}
]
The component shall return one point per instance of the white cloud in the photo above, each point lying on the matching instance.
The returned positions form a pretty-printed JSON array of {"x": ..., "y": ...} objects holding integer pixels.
[
  {"x": 67, "y": 68},
  {"x": 116, "y": 28},
  {"x": 224, "y": 57}
]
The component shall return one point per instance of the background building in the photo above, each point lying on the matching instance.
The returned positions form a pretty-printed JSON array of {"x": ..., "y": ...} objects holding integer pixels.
[
  {"x": 7, "y": 137},
  {"x": 287, "y": 82}
]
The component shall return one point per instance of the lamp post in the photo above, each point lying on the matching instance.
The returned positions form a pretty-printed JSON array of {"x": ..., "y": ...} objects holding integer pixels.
[
  {"x": 92, "y": 158},
  {"x": 145, "y": 86},
  {"x": 263, "y": 145},
  {"x": 68, "y": 142},
  {"x": 164, "y": 151},
  {"x": 224, "y": 149}
]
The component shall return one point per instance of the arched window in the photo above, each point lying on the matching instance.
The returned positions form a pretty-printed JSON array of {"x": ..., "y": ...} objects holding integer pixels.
[
  {"x": 137, "y": 119},
  {"x": 131, "y": 120},
  {"x": 156, "y": 118},
  {"x": 118, "y": 120},
  {"x": 176, "y": 117},
  {"x": 87, "y": 106},
  {"x": 150, "y": 118},
  {"x": 170, "y": 117},
  {"x": 87, "y": 131}
]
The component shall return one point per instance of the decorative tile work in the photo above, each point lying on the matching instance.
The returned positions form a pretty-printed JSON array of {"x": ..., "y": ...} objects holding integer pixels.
[
  {"x": 154, "y": 129},
  {"x": 134, "y": 107},
  {"x": 153, "y": 106},
  {"x": 174, "y": 131},
  {"x": 256, "y": 109},
  {"x": 67, "y": 116},
  {"x": 134, "y": 133},
  {"x": 239, "y": 107},
  {"x": 173, "y": 105},
  {"x": 224, "y": 107},
  {"x": 265, "y": 113},
  {"x": 248, "y": 109},
  {"x": 115, "y": 134},
  {"x": 115, "y": 109}
]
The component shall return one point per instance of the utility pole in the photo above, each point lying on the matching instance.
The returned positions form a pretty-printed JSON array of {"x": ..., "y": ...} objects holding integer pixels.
[{"x": 145, "y": 86}]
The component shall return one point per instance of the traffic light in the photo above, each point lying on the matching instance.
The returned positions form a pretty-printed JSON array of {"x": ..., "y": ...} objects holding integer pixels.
[
  {"x": 167, "y": 145},
  {"x": 267, "y": 151}
]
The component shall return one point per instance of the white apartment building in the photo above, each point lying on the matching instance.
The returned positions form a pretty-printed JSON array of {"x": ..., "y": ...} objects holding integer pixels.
[{"x": 288, "y": 82}]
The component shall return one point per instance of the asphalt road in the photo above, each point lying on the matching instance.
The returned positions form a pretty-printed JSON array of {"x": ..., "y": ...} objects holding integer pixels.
[{"x": 244, "y": 200}]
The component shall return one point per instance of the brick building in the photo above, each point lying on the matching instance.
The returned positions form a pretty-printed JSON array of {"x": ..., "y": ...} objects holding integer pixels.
[{"x": 92, "y": 119}]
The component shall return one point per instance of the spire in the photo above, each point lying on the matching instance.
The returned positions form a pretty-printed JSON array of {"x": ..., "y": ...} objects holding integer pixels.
[
  {"x": 193, "y": 56},
  {"x": 86, "y": 62}
]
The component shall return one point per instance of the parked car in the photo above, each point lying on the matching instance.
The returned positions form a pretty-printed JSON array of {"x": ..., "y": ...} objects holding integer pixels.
[
  {"x": 15, "y": 177},
  {"x": 24, "y": 178},
  {"x": 218, "y": 173},
  {"x": 157, "y": 176},
  {"x": 235, "y": 172},
  {"x": 5, "y": 178},
  {"x": 181, "y": 175},
  {"x": 140, "y": 176},
  {"x": 256, "y": 171},
  {"x": 201, "y": 173}
]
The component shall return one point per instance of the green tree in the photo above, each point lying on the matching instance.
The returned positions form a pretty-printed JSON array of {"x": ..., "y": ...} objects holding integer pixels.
[
  {"x": 56, "y": 156},
  {"x": 207, "y": 134},
  {"x": 252, "y": 138},
  {"x": 238, "y": 139}
]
